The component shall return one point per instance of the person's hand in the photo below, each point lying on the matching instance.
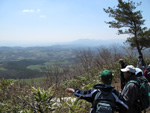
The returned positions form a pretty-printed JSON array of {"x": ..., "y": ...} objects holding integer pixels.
[{"x": 70, "y": 90}]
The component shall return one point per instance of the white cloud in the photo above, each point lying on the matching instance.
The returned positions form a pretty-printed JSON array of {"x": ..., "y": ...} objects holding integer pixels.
[
  {"x": 38, "y": 10},
  {"x": 28, "y": 11},
  {"x": 34, "y": 11},
  {"x": 42, "y": 16}
]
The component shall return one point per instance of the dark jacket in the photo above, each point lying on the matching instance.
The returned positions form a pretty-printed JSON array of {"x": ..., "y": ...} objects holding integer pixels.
[
  {"x": 130, "y": 95},
  {"x": 123, "y": 81},
  {"x": 140, "y": 62},
  {"x": 89, "y": 95}
]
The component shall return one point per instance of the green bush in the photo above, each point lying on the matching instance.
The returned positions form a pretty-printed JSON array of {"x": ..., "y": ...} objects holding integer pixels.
[{"x": 26, "y": 100}]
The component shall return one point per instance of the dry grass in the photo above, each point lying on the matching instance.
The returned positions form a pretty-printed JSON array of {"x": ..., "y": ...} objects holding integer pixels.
[{"x": 116, "y": 83}]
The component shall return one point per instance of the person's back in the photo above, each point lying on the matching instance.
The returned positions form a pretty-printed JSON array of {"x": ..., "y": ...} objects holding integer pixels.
[
  {"x": 104, "y": 101},
  {"x": 143, "y": 94},
  {"x": 143, "y": 99},
  {"x": 102, "y": 96}
]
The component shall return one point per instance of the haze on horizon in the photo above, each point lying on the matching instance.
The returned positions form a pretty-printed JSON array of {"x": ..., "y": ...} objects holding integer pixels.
[{"x": 37, "y": 22}]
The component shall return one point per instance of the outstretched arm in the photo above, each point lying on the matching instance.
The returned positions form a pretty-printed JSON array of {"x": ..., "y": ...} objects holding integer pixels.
[{"x": 87, "y": 95}]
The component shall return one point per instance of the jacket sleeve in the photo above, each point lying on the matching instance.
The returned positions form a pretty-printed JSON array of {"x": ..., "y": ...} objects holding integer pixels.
[
  {"x": 87, "y": 95},
  {"x": 121, "y": 105}
]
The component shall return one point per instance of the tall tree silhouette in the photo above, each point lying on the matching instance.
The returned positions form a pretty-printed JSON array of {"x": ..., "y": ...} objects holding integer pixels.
[{"x": 129, "y": 21}]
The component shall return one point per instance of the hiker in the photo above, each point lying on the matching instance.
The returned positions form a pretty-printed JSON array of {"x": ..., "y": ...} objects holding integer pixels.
[
  {"x": 104, "y": 98},
  {"x": 140, "y": 62},
  {"x": 147, "y": 73},
  {"x": 123, "y": 81},
  {"x": 141, "y": 77},
  {"x": 138, "y": 72},
  {"x": 130, "y": 91}
]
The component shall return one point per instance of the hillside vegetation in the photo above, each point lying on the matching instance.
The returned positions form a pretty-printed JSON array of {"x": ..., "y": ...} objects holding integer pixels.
[{"x": 47, "y": 94}]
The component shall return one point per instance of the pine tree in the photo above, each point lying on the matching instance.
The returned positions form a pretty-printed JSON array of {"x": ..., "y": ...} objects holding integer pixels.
[{"x": 129, "y": 21}]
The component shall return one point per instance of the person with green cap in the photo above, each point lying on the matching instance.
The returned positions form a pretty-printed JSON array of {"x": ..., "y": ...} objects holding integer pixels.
[{"x": 104, "y": 98}]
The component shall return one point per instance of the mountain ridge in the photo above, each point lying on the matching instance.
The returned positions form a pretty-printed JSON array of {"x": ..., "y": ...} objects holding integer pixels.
[{"x": 79, "y": 42}]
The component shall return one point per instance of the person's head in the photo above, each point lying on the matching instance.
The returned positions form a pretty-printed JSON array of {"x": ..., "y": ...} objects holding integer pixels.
[
  {"x": 128, "y": 71},
  {"x": 121, "y": 61},
  {"x": 106, "y": 77},
  {"x": 142, "y": 68},
  {"x": 138, "y": 72}
]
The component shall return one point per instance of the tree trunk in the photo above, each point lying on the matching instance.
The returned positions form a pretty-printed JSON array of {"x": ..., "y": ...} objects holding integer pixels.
[
  {"x": 138, "y": 48},
  {"x": 137, "y": 44}
]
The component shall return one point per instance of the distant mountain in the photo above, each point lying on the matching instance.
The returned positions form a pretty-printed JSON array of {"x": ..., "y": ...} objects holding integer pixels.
[
  {"x": 93, "y": 42},
  {"x": 76, "y": 43}
]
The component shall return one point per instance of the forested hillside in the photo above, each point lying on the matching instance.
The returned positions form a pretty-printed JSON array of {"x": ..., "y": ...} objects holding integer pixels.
[
  {"x": 18, "y": 62},
  {"x": 31, "y": 62}
]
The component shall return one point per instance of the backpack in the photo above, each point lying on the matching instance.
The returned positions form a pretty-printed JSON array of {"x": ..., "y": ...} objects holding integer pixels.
[
  {"x": 143, "y": 100},
  {"x": 104, "y": 102}
]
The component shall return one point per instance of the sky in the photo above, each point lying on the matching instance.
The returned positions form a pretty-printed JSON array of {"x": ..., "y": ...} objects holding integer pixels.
[{"x": 50, "y": 21}]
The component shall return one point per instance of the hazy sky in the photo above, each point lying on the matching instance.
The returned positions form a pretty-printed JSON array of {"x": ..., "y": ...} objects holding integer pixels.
[{"x": 47, "y": 21}]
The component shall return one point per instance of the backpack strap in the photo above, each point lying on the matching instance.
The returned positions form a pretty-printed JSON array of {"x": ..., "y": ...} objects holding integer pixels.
[
  {"x": 136, "y": 83},
  {"x": 96, "y": 97},
  {"x": 132, "y": 81}
]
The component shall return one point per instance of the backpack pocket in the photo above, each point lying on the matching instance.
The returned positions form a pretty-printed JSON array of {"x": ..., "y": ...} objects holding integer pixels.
[{"x": 103, "y": 108}]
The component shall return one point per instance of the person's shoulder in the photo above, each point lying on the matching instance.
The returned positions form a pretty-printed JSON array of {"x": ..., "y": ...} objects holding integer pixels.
[
  {"x": 116, "y": 92},
  {"x": 132, "y": 84},
  {"x": 130, "y": 87},
  {"x": 124, "y": 65}
]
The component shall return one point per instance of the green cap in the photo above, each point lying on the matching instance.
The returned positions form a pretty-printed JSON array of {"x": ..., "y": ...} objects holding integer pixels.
[{"x": 106, "y": 75}]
